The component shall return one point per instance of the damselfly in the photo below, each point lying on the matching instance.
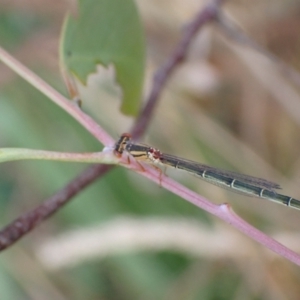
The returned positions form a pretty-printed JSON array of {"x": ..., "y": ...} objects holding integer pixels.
[{"x": 248, "y": 185}]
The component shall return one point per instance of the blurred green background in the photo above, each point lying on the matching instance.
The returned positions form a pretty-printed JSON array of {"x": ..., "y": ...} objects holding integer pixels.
[{"x": 124, "y": 237}]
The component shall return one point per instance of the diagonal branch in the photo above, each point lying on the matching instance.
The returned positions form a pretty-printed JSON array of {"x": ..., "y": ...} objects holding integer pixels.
[
  {"x": 223, "y": 212},
  {"x": 22, "y": 225},
  {"x": 207, "y": 14},
  {"x": 70, "y": 107},
  {"x": 28, "y": 221}
]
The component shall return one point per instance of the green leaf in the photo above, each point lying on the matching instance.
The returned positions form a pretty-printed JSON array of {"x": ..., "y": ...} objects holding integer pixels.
[{"x": 107, "y": 32}]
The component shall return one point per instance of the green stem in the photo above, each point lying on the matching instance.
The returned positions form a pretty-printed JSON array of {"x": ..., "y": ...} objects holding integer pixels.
[{"x": 11, "y": 154}]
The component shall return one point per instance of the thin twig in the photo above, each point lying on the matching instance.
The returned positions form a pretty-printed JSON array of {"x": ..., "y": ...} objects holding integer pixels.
[
  {"x": 28, "y": 221},
  {"x": 102, "y": 157},
  {"x": 70, "y": 107},
  {"x": 160, "y": 78}
]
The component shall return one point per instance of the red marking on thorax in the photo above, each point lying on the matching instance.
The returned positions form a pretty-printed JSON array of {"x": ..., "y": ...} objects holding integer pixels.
[{"x": 156, "y": 154}]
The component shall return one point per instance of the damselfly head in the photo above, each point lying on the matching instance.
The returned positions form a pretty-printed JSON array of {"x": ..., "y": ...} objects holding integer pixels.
[{"x": 120, "y": 145}]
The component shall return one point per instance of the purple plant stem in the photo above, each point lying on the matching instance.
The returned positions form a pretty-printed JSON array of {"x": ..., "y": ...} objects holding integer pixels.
[
  {"x": 223, "y": 211},
  {"x": 31, "y": 219},
  {"x": 207, "y": 14},
  {"x": 67, "y": 105},
  {"x": 28, "y": 221}
]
